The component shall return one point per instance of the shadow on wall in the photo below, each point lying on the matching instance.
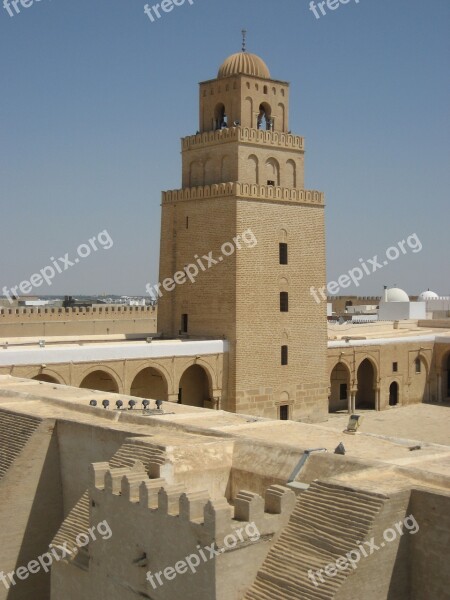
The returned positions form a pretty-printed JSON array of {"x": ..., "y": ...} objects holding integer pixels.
[{"x": 44, "y": 519}]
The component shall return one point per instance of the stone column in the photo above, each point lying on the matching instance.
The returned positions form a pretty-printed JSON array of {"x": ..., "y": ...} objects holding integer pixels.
[
  {"x": 217, "y": 399},
  {"x": 172, "y": 398},
  {"x": 377, "y": 399}
]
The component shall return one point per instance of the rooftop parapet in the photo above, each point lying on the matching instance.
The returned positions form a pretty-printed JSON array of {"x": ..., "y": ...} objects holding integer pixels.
[
  {"x": 245, "y": 190},
  {"x": 62, "y": 313},
  {"x": 213, "y": 518},
  {"x": 244, "y": 134}
]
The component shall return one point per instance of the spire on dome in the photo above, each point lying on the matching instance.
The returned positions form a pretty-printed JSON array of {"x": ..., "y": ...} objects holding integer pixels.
[{"x": 244, "y": 40}]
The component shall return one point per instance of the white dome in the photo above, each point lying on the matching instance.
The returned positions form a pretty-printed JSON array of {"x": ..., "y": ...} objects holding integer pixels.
[
  {"x": 397, "y": 295},
  {"x": 428, "y": 296}
]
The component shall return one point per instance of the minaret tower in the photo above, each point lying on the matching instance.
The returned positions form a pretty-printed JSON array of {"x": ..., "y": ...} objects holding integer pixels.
[{"x": 243, "y": 203}]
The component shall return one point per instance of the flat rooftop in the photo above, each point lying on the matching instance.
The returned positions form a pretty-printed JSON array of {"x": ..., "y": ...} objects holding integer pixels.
[
  {"x": 62, "y": 349},
  {"x": 384, "y": 437},
  {"x": 384, "y": 332},
  {"x": 19, "y": 351}
]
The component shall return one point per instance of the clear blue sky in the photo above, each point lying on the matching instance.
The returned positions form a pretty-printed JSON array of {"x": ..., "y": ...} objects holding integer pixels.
[{"x": 95, "y": 98}]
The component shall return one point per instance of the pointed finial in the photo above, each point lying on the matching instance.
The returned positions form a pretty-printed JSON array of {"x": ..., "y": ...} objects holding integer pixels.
[{"x": 244, "y": 40}]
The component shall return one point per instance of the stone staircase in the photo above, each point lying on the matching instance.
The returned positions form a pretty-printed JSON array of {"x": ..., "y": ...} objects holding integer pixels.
[
  {"x": 130, "y": 452},
  {"x": 15, "y": 431},
  {"x": 76, "y": 522},
  {"x": 328, "y": 521}
]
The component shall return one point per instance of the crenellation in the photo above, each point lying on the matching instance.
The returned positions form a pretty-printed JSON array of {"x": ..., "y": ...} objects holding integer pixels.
[
  {"x": 97, "y": 473},
  {"x": 192, "y": 505},
  {"x": 217, "y": 515},
  {"x": 169, "y": 499},
  {"x": 113, "y": 480},
  {"x": 148, "y": 492},
  {"x": 248, "y": 507},
  {"x": 130, "y": 486},
  {"x": 279, "y": 500}
]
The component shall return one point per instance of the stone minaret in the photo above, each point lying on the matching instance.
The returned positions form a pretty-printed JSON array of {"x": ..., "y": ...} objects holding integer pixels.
[{"x": 244, "y": 172}]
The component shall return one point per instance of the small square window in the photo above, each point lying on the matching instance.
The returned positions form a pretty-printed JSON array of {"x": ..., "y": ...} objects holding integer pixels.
[
  {"x": 284, "y": 302},
  {"x": 270, "y": 182},
  {"x": 284, "y": 355},
  {"x": 418, "y": 365},
  {"x": 395, "y": 367},
  {"x": 283, "y": 254}
]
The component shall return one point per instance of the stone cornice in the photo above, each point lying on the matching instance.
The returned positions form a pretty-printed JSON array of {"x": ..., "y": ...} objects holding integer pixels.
[
  {"x": 244, "y": 135},
  {"x": 245, "y": 191}
]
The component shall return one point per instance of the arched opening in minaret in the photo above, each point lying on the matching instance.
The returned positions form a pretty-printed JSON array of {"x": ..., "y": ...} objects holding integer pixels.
[
  {"x": 265, "y": 120},
  {"x": 291, "y": 174},
  {"x": 282, "y": 115},
  {"x": 220, "y": 117},
  {"x": 272, "y": 172},
  {"x": 253, "y": 169}
]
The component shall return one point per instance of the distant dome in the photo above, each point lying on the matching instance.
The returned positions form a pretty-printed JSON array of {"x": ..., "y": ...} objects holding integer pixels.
[
  {"x": 244, "y": 63},
  {"x": 397, "y": 295},
  {"x": 428, "y": 296}
]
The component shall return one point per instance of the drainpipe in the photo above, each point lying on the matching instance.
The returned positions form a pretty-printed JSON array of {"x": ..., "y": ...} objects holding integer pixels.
[{"x": 298, "y": 467}]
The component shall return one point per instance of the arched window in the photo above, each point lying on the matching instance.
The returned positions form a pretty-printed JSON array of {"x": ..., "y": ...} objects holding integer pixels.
[
  {"x": 282, "y": 117},
  {"x": 253, "y": 169},
  {"x": 248, "y": 119},
  {"x": 265, "y": 120},
  {"x": 220, "y": 117},
  {"x": 272, "y": 172},
  {"x": 291, "y": 174}
]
